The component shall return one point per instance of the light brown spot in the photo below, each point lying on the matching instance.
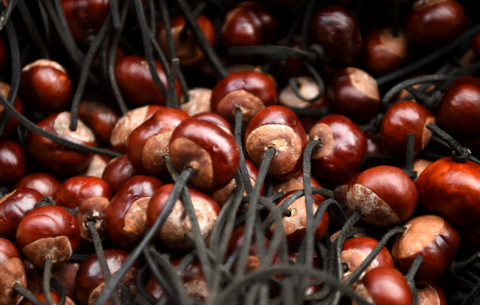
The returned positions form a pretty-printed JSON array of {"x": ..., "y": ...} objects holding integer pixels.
[
  {"x": 288, "y": 148},
  {"x": 297, "y": 219},
  {"x": 374, "y": 210},
  {"x": 428, "y": 296},
  {"x": 197, "y": 158},
  {"x": 199, "y": 101},
  {"x": 92, "y": 208},
  {"x": 44, "y": 63},
  {"x": 62, "y": 127},
  {"x": 420, "y": 232},
  {"x": 288, "y": 185},
  {"x": 11, "y": 272},
  {"x": 362, "y": 291},
  {"x": 178, "y": 223},
  {"x": 127, "y": 280},
  {"x": 243, "y": 100},
  {"x": 308, "y": 89},
  {"x": 364, "y": 82},
  {"x": 323, "y": 132},
  {"x": 58, "y": 248},
  {"x": 126, "y": 125},
  {"x": 197, "y": 289},
  {"x": 221, "y": 196},
  {"x": 136, "y": 219},
  {"x": 427, "y": 134},
  {"x": 396, "y": 45},
  {"x": 420, "y": 165},
  {"x": 154, "y": 150},
  {"x": 96, "y": 167}
]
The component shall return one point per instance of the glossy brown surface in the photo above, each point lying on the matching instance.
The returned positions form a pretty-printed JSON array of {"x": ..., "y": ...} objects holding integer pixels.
[
  {"x": 431, "y": 237},
  {"x": 384, "y": 52},
  {"x": 208, "y": 149},
  {"x": 402, "y": 119},
  {"x": 100, "y": 117},
  {"x": 89, "y": 281},
  {"x": 13, "y": 207},
  {"x": 148, "y": 143},
  {"x": 117, "y": 172},
  {"x": 336, "y": 29},
  {"x": 186, "y": 49},
  {"x": 95, "y": 209},
  {"x": 459, "y": 111},
  {"x": 128, "y": 123},
  {"x": 431, "y": 294},
  {"x": 125, "y": 216},
  {"x": 291, "y": 67},
  {"x": 215, "y": 118},
  {"x": 248, "y": 90},
  {"x": 192, "y": 278},
  {"x": 385, "y": 286},
  {"x": 248, "y": 24},
  {"x": 45, "y": 85},
  {"x": 356, "y": 250},
  {"x": 435, "y": 22},
  {"x": 18, "y": 105},
  {"x": 439, "y": 187},
  {"x": 12, "y": 271},
  {"x": 354, "y": 94},
  {"x": 84, "y": 17},
  {"x": 13, "y": 162},
  {"x": 343, "y": 147},
  {"x": 340, "y": 191},
  {"x": 48, "y": 231},
  {"x": 172, "y": 234},
  {"x": 58, "y": 158},
  {"x": 72, "y": 192},
  {"x": 43, "y": 183},
  {"x": 384, "y": 194},
  {"x": 295, "y": 220},
  {"x": 136, "y": 83},
  {"x": 280, "y": 128}
]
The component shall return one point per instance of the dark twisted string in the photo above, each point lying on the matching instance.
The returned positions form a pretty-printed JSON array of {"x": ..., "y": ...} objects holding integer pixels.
[
  {"x": 32, "y": 28},
  {"x": 239, "y": 139},
  {"x": 85, "y": 70},
  {"x": 195, "y": 13},
  {"x": 172, "y": 199},
  {"x": 172, "y": 92},
  {"x": 114, "y": 12},
  {"x": 410, "y": 158},
  {"x": 45, "y": 22},
  {"x": 27, "y": 294},
  {"x": 15, "y": 83},
  {"x": 411, "y": 275},
  {"x": 141, "y": 282},
  {"x": 55, "y": 284},
  {"x": 47, "y": 274},
  {"x": 5, "y": 15}
]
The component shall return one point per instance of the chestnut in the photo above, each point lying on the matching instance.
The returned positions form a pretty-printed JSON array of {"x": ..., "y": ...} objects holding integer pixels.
[
  {"x": 48, "y": 231},
  {"x": 13, "y": 162},
  {"x": 292, "y": 66},
  {"x": 136, "y": 83},
  {"x": 248, "y": 24},
  {"x": 459, "y": 110},
  {"x": 100, "y": 117},
  {"x": 221, "y": 196},
  {"x": 199, "y": 101},
  {"x": 72, "y": 192},
  {"x": 295, "y": 220},
  {"x": 402, "y": 119},
  {"x": 172, "y": 234},
  {"x": 55, "y": 299},
  {"x": 89, "y": 282},
  {"x": 208, "y": 149},
  {"x": 385, "y": 52},
  {"x": 186, "y": 49},
  {"x": 125, "y": 218},
  {"x": 340, "y": 191},
  {"x": 45, "y": 85},
  {"x": 95, "y": 209},
  {"x": 431, "y": 294},
  {"x": 384, "y": 286},
  {"x": 280, "y": 128},
  {"x": 439, "y": 187},
  {"x": 308, "y": 89},
  {"x": 148, "y": 143},
  {"x": 117, "y": 172},
  {"x": 342, "y": 150},
  {"x": 336, "y": 29},
  {"x": 128, "y": 123},
  {"x": 248, "y": 91},
  {"x": 193, "y": 281},
  {"x": 84, "y": 18},
  {"x": 96, "y": 166},
  {"x": 12, "y": 122},
  {"x": 56, "y": 157},
  {"x": 385, "y": 196},
  {"x": 12, "y": 271},
  {"x": 432, "y": 238},
  {"x": 293, "y": 184},
  {"x": 354, "y": 94},
  {"x": 433, "y": 23},
  {"x": 356, "y": 250},
  {"x": 13, "y": 207},
  {"x": 43, "y": 183},
  {"x": 215, "y": 118}
]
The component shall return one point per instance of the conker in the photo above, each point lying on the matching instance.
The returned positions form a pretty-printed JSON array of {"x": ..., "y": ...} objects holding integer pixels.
[
  {"x": 43, "y": 183},
  {"x": 100, "y": 117},
  {"x": 13, "y": 162},
  {"x": 117, "y": 172},
  {"x": 72, "y": 192},
  {"x": 12, "y": 271}
]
